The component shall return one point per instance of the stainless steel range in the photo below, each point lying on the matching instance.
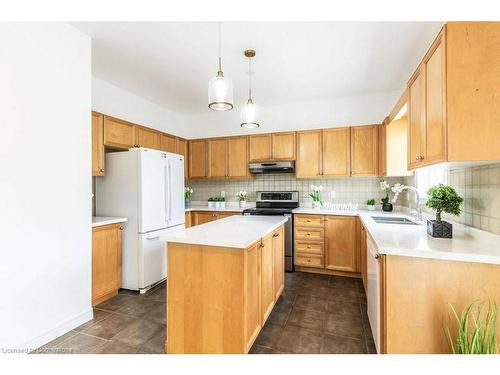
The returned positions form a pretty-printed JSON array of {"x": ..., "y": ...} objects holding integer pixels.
[{"x": 278, "y": 203}]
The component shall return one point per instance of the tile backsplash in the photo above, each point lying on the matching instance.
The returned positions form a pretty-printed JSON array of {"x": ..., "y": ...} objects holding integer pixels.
[
  {"x": 480, "y": 188},
  {"x": 346, "y": 190}
]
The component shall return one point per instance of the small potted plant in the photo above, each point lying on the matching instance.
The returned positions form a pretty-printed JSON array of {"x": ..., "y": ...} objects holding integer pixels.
[
  {"x": 386, "y": 205},
  {"x": 211, "y": 202},
  {"x": 316, "y": 196},
  {"x": 442, "y": 198},
  {"x": 370, "y": 204},
  {"x": 188, "y": 192},
  {"x": 242, "y": 198}
]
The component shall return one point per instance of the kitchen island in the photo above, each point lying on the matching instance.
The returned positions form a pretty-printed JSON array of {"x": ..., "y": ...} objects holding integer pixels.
[{"x": 224, "y": 278}]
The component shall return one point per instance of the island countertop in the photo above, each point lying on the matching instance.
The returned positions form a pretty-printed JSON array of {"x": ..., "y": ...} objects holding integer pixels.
[{"x": 239, "y": 231}]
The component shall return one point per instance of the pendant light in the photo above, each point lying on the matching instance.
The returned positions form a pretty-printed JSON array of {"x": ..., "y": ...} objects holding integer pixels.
[
  {"x": 220, "y": 88},
  {"x": 249, "y": 112}
]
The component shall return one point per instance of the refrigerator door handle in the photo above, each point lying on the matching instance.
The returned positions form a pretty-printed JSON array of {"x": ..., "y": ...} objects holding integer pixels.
[
  {"x": 169, "y": 191},
  {"x": 166, "y": 181}
]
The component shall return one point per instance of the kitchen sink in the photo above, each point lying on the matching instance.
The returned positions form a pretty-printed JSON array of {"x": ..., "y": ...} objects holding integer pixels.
[{"x": 393, "y": 220}]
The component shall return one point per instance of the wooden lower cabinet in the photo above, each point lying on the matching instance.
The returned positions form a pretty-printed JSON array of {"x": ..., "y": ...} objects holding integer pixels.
[
  {"x": 219, "y": 298},
  {"x": 202, "y": 217},
  {"x": 188, "y": 217},
  {"x": 327, "y": 244},
  {"x": 106, "y": 262},
  {"x": 362, "y": 252}
]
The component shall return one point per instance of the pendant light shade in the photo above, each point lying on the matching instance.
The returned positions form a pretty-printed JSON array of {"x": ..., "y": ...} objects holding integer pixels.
[
  {"x": 220, "y": 88},
  {"x": 250, "y": 111}
]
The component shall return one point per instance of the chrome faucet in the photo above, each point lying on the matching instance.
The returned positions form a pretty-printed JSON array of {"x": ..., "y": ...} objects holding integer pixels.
[{"x": 417, "y": 200}]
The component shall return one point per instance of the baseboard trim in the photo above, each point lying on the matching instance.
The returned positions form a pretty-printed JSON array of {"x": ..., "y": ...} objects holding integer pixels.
[
  {"x": 56, "y": 332},
  {"x": 323, "y": 271}
]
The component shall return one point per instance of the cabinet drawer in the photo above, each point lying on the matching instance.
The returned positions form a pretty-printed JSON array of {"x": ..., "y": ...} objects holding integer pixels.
[
  {"x": 309, "y": 247},
  {"x": 311, "y": 234},
  {"x": 309, "y": 221},
  {"x": 309, "y": 260}
]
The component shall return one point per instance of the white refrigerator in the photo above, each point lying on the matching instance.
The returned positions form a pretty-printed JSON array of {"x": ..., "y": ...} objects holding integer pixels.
[{"x": 147, "y": 187}]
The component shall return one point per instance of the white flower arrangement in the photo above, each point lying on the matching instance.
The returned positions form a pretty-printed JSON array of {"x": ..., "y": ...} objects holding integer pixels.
[
  {"x": 315, "y": 194},
  {"x": 242, "y": 195},
  {"x": 396, "y": 189},
  {"x": 188, "y": 192}
]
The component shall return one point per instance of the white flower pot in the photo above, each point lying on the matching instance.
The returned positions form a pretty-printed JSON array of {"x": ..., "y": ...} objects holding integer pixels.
[
  {"x": 211, "y": 204},
  {"x": 243, "y": 204},
  {"x": 316, "y": 204},
  {"x": 222, "y": 205},
  {"x": 371, "y": 207}
]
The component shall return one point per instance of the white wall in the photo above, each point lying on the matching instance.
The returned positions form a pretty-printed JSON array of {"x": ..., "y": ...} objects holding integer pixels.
[
  {"x": 114, "y": 101},
  {"x": 346, "y": 111},
  {"x": 45, "y": 182}
]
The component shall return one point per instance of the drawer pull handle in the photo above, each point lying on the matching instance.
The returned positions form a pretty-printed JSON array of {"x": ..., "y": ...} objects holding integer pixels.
[
  {"x": 276, "y": 234},
  {"x": 308, "y": 233},
  {"x": 308, "y": 221},
  {"x": 308, "y": 259},
  {"x": 308, "y": 246}
]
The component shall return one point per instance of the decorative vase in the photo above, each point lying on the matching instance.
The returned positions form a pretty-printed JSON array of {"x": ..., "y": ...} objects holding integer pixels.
[
  {"x": 218, "y": 205},
  {"x": 187, "y": 203},
  {"x": 222, "y": 205},
  {"x": 441, "y": 229},
  {"x": 243, "y": 204},
  {"x": 371, "y": 207},
  {"x": 211, "y": 204},
  {"x": 387, "y": 207},
  {"x": 316, "y": 204}
]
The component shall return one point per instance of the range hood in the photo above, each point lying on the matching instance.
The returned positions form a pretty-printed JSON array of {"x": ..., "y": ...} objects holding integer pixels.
[{"x": 272, "y": 167}]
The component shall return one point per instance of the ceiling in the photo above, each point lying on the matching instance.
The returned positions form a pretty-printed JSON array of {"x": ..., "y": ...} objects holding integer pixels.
[{"x": 170, "y": 63}]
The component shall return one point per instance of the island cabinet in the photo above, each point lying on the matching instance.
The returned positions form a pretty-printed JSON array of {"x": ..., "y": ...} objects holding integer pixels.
[
  {"x": 454, "y": 105},
  {"x": 97, "y": 144},
  {"x": 218, "y": 297},
  {"x": 327, "y": 244},
  {"x": 106, "y": 262}
]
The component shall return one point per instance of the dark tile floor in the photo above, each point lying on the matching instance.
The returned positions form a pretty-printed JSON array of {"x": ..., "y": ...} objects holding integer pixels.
[{"x": 315, "y": 314}]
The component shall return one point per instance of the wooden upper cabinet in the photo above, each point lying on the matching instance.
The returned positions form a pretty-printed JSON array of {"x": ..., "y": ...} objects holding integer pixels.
[
  {"x": 340, "y": 243},
  {"x": 267, "y": 276},
  {"x": 217, "y": 157},
  {"x": 416, "y": 119},
  {"x": 435, "y": 122},
  {"x": 168, "y": 143},
  {"x": 148, "y": 138},
  {"x": 364, "y": 150},
  {"x": 97, "y": 144},
  {"x": 336, "y": 149},
  {"x": 382, "y": 150},
  {"x": 198, "y": 155},
  {"x": 308, "y": 154},
  {"x": 283, "y": 146},
  {"x": 260, "y": 147},
  {"x": 237, "y": 160},
  {"x": 182, "y": 149},
  {"x": 118, "y": 134}
]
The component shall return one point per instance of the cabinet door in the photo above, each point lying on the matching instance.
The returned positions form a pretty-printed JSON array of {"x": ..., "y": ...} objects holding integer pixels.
[
  {"x": 97, "y": 144},
  {"x": 340, "y": 243},
  {"x": 106, "y": 261},
  {"x": 260, "y": 147},
  {"x": 308, "y": 154},
  {"x": 148, "y": 138},
  {"x": 279, "y": 261},
  {"x": 362, "y": 253},
  {"x": 434, "y": 65},
  {"x": 336, "y": 152},
  {"x": 187, "y": 219},
  {"x": 267, "y": 276},
  {"x": 203, "y": 217},
  {"x": 168, "y": 143},
  {"x": 283, "y": 146},
  {"x": 382, "y": 150},
  {"x": 182, "y": 149},
  {"x": 253, "y": 316},
  {"x": 416, "y": 120},
  {"x": 237, "y": 151},
  {"x": 364, "y": 150},
  {"x": 118, "y": 134},
  {"x": 198, "y": 150},
  {"x": 217, "y": 158}
]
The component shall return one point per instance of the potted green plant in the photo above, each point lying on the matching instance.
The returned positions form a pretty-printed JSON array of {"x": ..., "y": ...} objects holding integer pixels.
[
  {"x": 242, "y": 198},
  {"x": 211, "y": 202},
  {"x": 475, "y": 332},
  {"x": 188, "y": 192},
  {"x": 442, "y": 198},
  {"x": 385, "y": 187},
  {"x": 370, "y": 204},
  {"x": 316, "y": 196}
]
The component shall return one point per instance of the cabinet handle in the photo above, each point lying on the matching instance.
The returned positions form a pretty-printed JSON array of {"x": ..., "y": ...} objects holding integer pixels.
[
  {"x": 308, "y": 220},
  {"x": 308, "y": 259},
  {"x": 276, "y": 234},
  {"x": 308, "y": 246},
  {"x": 308, "y": 233},
  {"x": 101, "y": 170},
  {"x": 121, "y": 227},
  {"x": 261, "y": 244}
]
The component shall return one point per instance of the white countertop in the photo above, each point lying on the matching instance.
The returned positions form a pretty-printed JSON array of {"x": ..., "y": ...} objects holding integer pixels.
[
  {"x": 468, "y": 244},
  {"x": 98, "y": 221},
  {"x": 230, "y": 207},
  {"x": 239, "y": 231}
]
